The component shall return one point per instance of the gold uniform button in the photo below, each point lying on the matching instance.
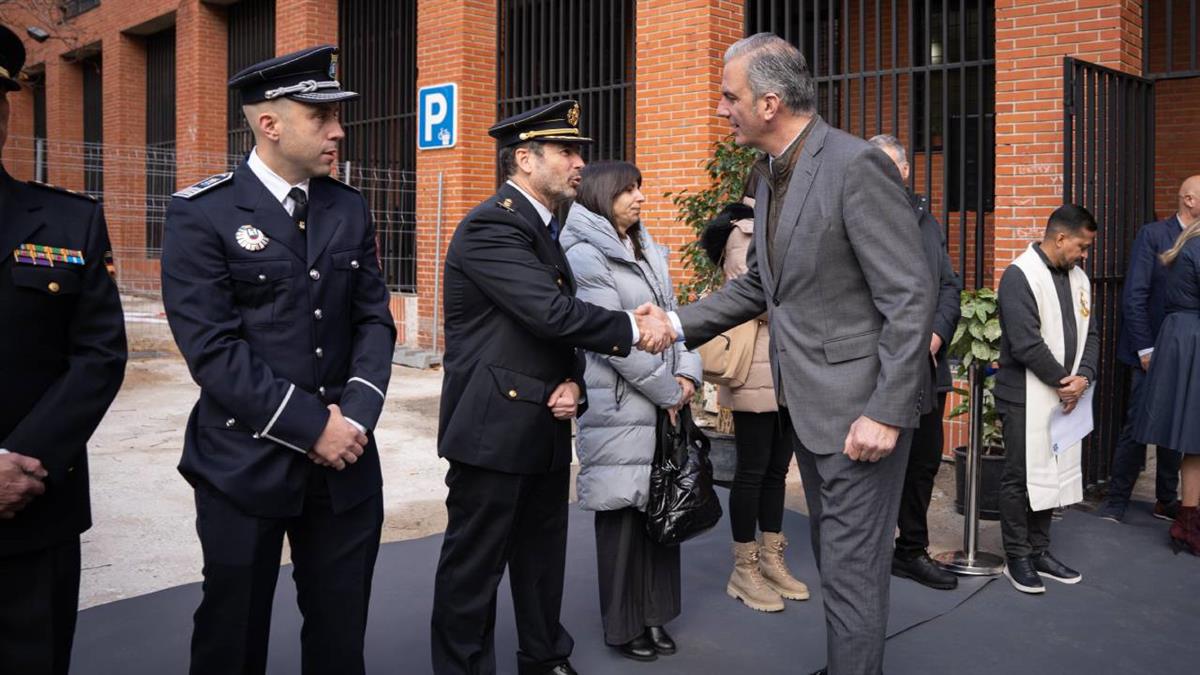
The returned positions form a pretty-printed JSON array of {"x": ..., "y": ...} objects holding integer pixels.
[
  {"x": 53, "y": 287},
  {"x": 616, "y": 349},
  {"x": 560, "y": 282},
  {"x": 512, "y": 393}
]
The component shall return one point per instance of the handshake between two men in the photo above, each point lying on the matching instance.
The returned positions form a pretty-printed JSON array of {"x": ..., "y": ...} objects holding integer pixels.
[{"x": 655, "y": 331}]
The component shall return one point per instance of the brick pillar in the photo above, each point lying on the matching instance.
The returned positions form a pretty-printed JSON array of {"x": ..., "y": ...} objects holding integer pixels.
[
  {"x": 456, "y": 43},
  {"x": 680, "y": 51},
  {"x": 18, "y": 156},
  {"x": 1032, "y": 37},
  {"x": 64, "y": 122},
  {"x": 200, "y": 76},
  {"x": 124, "y": 143},
  {"x": 305, "y": 23}
]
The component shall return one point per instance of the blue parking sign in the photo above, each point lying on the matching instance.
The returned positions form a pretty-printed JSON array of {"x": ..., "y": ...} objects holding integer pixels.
[{"x": 436, "y": 113}]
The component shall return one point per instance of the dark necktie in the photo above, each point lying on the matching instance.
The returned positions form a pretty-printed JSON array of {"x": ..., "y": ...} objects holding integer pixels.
[
  {"x": 553, "y": 228},
  {"x": 300, "y": 208}
]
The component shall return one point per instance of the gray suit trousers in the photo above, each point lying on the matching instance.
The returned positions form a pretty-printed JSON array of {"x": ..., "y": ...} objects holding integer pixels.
[{"x": 853, "y": 508}]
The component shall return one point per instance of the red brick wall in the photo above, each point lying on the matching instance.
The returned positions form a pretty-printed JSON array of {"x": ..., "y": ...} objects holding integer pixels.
[
  {"x": 201, "y": 122},
  {"x": 305, "y": 23},
  {"x": 1176, "y": 140}
]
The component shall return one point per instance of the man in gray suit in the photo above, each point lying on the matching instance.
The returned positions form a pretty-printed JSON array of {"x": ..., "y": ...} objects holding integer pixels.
[{"x": 837, "y": 264}]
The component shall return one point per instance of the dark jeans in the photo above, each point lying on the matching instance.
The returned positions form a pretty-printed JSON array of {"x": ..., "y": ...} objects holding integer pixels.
[
  {"x": 1025, "y": 532},
  {"x": 639, "y": 577},
  {"x": 764, "y": 452},
  {"x": 924, "y": 459},
  {"x": 38, "y": 609},
  {"x": 1130, "y": 455}
]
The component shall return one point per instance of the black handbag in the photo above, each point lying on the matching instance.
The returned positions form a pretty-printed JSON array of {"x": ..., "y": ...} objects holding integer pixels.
[{"x": 682, "y": 501}]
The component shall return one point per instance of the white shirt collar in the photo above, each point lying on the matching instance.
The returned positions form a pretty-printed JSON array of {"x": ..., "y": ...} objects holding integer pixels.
[
  {"x": 540, "y": 207},
  {"x": 275, "y": 184}
]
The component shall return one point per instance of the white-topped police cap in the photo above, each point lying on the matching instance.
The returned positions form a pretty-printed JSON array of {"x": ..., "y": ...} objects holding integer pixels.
[{"x": 308, "y": 76}]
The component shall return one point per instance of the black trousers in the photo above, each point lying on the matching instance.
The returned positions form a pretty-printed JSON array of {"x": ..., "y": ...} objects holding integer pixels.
[
  {"x": 924, "y": 460},
  {"x": 39, "y": 601},
  {"x": 499, "y": 520},
  {"x": 1025, "y": 532},
  {"x": 764, "y": 452},
  {"x": 333, "y": 557},
  {"x": 639, "y": 577}
]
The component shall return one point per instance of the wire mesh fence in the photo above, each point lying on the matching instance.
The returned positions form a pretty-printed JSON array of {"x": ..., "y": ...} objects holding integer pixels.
[{"x": 138, "y": 182}]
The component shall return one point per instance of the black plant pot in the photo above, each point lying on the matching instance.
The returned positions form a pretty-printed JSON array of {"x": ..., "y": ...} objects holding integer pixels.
[
  {"x": 723, "y": 454},
  {"x": 991, "y": 468}
]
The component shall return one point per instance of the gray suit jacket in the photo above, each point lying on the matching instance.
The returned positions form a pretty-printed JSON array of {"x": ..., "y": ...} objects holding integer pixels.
[{"x": 851, "y": 307}]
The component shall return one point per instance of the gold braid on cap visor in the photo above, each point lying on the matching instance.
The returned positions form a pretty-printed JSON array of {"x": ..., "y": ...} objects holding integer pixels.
[{"x": 526, "y": 135}]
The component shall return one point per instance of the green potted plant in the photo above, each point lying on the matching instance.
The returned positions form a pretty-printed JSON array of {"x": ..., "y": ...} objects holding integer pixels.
[
  {"x": 727, "y": 170},
  {"x": 977, "y": 341}
]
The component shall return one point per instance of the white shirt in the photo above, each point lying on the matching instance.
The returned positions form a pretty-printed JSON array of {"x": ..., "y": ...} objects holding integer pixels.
[
  {"x": 275, "y": 184},
  {"x": 279, "y": 189}
]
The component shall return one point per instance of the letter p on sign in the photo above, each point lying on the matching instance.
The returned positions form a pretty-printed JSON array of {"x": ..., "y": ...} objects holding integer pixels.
[{"x": 436, "y": 126}]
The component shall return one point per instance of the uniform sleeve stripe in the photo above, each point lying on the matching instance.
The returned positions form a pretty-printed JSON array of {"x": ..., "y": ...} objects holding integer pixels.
[
  {"x": 279, "y": 411},
  {"x": 271, "y": 438},
  {"x": 377, "y": 389}
]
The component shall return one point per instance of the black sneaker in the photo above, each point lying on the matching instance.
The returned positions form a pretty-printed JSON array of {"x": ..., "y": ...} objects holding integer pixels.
[
  {"x": 1023, "y": 576},
  {"x": 1166, "y": 510},
  {"x": 1048, "y": 566},
  {"x": 1111, "y": 512},
  {"x": 924, "y": 571}
]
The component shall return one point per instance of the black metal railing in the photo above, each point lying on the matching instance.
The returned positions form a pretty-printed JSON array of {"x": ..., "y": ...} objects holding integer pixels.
[
  {"x": 250, "y": 39},
  {"x": 160, "y": 133},
  {"x": 378, "y": 58},
  {"x": 556, "y": 49},
  {"x": 93, "y": 126},
  {"x": 920, "y": 70},
  {"x": 1108, "y": 167},
  {"x": 1171, "y": 38}
]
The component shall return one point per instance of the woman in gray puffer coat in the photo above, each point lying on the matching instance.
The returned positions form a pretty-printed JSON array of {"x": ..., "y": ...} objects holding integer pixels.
[{"x": 617, "y": 265}]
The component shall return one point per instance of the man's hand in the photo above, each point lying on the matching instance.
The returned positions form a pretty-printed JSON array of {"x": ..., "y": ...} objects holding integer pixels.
[
  {"x": 1145, "y": 359},
  {"x": 21, "y": 479},
  {"x": 1072, "y": 388},
  {"x": 689, "y": 390},
  {"x": 655, "y": 328},
  {"x": 870, "y": 441},
  {"x": 340, "y": 443},
  {"x": 1068, "y": 407},
  {"x": 935, "y": 345},
  {"x": 564, "y": 401}
]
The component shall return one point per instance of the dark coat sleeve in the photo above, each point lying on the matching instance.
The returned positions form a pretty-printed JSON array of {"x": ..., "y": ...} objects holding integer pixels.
[
  {"x": 198, "y": 297},
  {"x": 374, "y": 337},
  {"x": 498, "y": 257},
  {"x": 1135, "y": 301},
  {"x": 58, "y": 427},
  {"x": 1020, "y": 322},
  {"x": 948, "y": 310}
]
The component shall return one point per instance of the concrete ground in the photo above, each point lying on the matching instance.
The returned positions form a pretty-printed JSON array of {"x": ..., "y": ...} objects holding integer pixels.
[{"x": 144, "y": 536}]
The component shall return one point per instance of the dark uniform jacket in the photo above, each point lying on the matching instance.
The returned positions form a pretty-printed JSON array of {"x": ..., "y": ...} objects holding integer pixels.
[
  {"x": 947, "y": 309},
  {"x": 273, "y": 336},
  {"x": 62, "y": 353},
  {"x": 1144, "y": 299},
  {"x": 512, "y": 328}
]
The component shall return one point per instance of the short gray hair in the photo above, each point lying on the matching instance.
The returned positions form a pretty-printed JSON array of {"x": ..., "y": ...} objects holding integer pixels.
[
  {"x": 889, "y": 142},
  {"x": 773, "y": 65}
]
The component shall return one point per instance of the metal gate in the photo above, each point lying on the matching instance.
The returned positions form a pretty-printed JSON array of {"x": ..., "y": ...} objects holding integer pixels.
[
  {"x": 1108, "y": 164},
  {"x": 250, "y": 39},
  {"x": 920, "y": 70},
  {"x": 160, "y": 134}
]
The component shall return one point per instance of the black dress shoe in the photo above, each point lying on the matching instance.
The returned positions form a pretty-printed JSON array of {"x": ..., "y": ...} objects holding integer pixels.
[
  {"x": 639, "y": 648},
  {"x": 663, "y": 644},
  {"x": 924, "y": 571},
  {"x": 1023, "y": 576},
  {"x": 1050, "y": 567},
  {"x": 562, "y": 669}
]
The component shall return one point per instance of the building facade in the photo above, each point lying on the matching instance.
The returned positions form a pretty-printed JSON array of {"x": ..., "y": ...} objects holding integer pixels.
[{"x": 1008, "y": 108}]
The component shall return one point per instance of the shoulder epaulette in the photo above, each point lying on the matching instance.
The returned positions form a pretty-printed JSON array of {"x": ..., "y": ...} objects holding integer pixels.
[
  {"x": 204, "y": 185},
  {"x": 507, "y": 205},
  {"x": 62, "y": 190}
]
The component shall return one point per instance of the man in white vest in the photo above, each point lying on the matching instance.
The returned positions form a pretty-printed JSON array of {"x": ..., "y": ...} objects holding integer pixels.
[{"x": 1048, "y": 358}]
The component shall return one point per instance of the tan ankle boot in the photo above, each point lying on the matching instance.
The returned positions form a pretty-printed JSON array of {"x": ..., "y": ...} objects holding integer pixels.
[
  {"x": 774, "y": 569},
  {"x": 747, "y": 583}
]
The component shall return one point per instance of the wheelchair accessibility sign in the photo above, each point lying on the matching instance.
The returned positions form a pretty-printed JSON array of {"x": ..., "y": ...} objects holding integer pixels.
[{"x": 436, "y": 115}]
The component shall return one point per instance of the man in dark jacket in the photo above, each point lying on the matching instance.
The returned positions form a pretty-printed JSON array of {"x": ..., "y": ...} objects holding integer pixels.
[
  {"x": 1143, "y": 306},
  {"x": 62, "y": 359},
  {"x": 911, "y": 559},
  {"x": 273, "y": 290},
  {"x": 513, "y": 382}
]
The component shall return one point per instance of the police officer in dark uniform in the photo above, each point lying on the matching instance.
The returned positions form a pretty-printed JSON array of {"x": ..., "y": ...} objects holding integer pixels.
[
  {"x": 62, "y": 359},
  {"x": 275, "y": 297},
  {"x": 513, "y": 382}
]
